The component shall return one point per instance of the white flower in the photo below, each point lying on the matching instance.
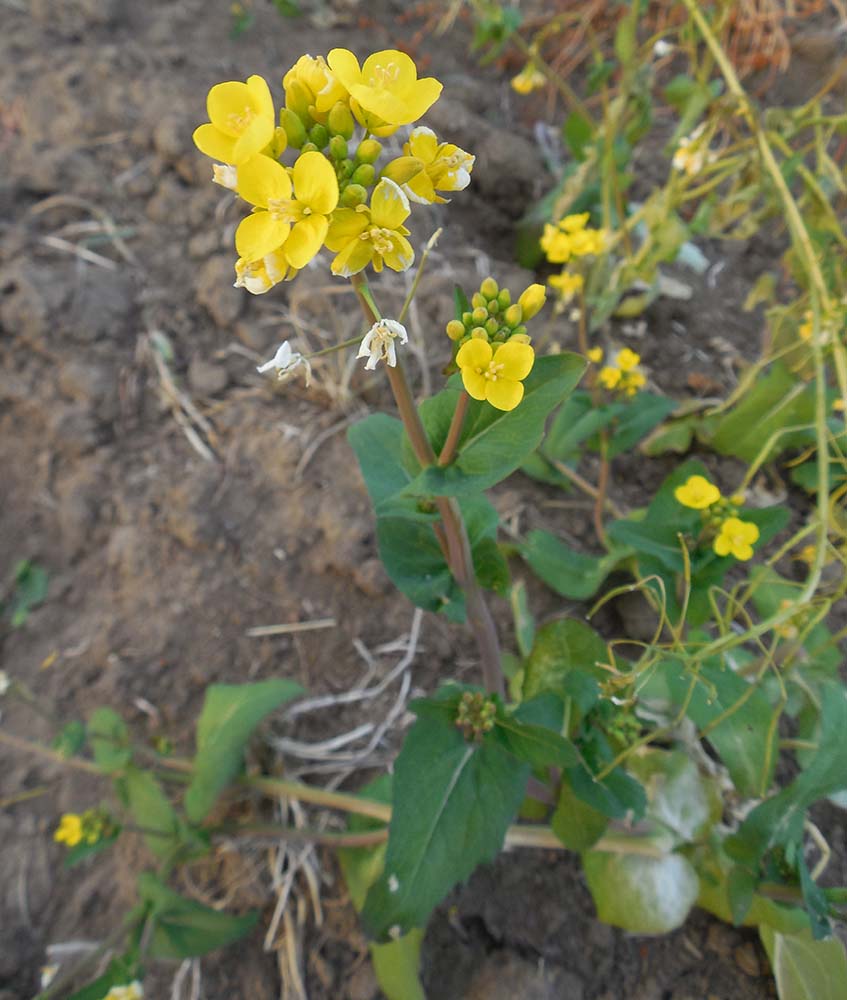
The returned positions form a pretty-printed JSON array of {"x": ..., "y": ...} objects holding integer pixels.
[
  {"x": 662, "y": 48},
  {"x": 225, "y": 175},
  {"x": 378, "y": 343},
  {"x": 286, "y": 362}
]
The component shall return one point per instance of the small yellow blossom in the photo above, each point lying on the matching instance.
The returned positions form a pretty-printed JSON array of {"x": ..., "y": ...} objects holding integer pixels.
[
  {"x": 532, "y": 301},
  {"x": 530, "y": 78},
  {"x": 627, "y": 360},
  {"x": 496, "y": 376},
  {"x": 788, "y": 630},
  {"x": 839, "y": 405},
  {"x": 570, "y": 237},
  {"x": 311, "y": 88},
  {"x": 609, "y": 377},
  {"x": 632, "y": 381},
  {"x": 736, "y": 538},
  {"x": 567, "y": 284},
  {"x": 806, "y": 327},
  {"x": 260, "y": 276},
  {"x": 808, "y": 554},
  {"x": 131, "y": 991},
  {"x": 360, "y": 236},
  {"x": 241, "y": 122},
  {"x": 385, "y": 92},
  {"x": 595, "y": 355},
  {"x": 69, "y": 830},
  {"x": 292, "y": 212},
  {"x": 574, "y": 223},
  {"x": 427, "y": 166},
  {"x": 691, "y": 154},
  {"x": 697, "y": 492}
]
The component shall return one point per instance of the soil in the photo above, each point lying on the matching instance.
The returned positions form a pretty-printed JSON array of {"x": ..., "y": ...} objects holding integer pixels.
[{"x": 170, "y": 530}]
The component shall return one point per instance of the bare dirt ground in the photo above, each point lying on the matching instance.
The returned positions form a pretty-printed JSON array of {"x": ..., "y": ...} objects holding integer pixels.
[{"x": 171, "y": 528}]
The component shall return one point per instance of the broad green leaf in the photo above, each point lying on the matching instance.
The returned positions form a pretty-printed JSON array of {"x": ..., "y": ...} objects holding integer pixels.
[
  {"x": 230, "y": 714},
  {"x": 536, "y": 745},
  {"x": 109, "y": 739},
  {"x": 151, "y": 811},
  {"x": 636, "y": 419},
  {"x": 82, "y": 851},
  {"x": 641, "y": 894},
  {"x": 617, "y": 796},
  {"x": 577, "y": 421},
  {"x": 396, "y": 964},
  {"x": 740, "y": 889},
  {"x": 806, "y": 969},
  {"x": 815, "y": 901},
  {"x": 577, "y": 824},
  {"x": 491, "y": 567},
  {"x": 378, "y": 443},
  {"x": 494, "y": 443},
  {"x": 677, "y": 793},
  {"x": 563, "y": 647},
  {"x": 570, "y": 573},
  {"x": 453, "y": 801},
  {"x": 183, "y": 928}
]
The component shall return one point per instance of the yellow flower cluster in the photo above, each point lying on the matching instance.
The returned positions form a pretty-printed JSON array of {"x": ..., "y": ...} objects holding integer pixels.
[
  {"x": 130, "y": 991},
  {"x": 331, "y": 195},
  {"x": 571, "y": 237},
  {"x": 494, "y": 353},
  {"x": 87, "y": 827},
  {"x": 692, "y": 153},
  {"x": 530, "y": 78},
  {"x": 621, "y": 374},
  {"x": 732, "y": 536}
]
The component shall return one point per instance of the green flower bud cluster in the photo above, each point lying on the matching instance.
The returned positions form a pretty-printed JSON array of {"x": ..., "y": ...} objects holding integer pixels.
[
  {"x": 720, "y": 510},
  {"x": 475, "y": 715},
  {"x": 492, "y": 317},
  {"x": 303, "y": 131}
]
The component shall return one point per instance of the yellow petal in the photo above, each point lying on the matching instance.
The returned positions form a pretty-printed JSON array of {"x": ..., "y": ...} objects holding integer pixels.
[
  {"x": 347, "y": 224},
  {"x": 262, "y": 180},
  {"x": 517, "y": 360},
  {"x": 227, "y": 104},
  {"x": 474, "y": 354},
  {"x": 305, "y": 240},
  {"x": 474, "y": 383},
  {"x": 211, "y": 141},
  {"x": 401, "y": 255},
  {"x": 389, "y": 69},
  {"x": 423, "y": 144},
  {"x": 403, "y": 169},
  {"x": 420, "y": 190},
  {"x": 353, "y": 258},
  {"x": 315, "y": 183},
  {"x": 253, "y": 139},
  {"x": 504, "y": 394},
  {"x": 389, "y": 206},
  {"x": 259, "y": 234},
  {"x": 345, "y": 66},
  {"x": 424, "y": 94},
  {"x": 388, "y": 106},
  {"x": 261, "y": 94}
]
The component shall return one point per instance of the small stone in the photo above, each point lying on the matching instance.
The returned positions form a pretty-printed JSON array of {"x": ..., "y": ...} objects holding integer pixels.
[
  {"x": 216, "y": 293},
  {"x": 207, "y": 378}
]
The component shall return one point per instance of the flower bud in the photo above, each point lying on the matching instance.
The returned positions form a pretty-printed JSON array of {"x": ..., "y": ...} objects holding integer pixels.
[
  {"x": 479, "y": 301},
  {"x": 402, "y": 169},
  {"x": 298, "y": 99},
  {"x": 521, "y": 338},
  {"x": 504, "y": 298},
  {"x": 519, "y": 331},
  {"x": 489, "y": 288},
  {"x": 493, "y": 307},
  {"x": 338, "y": 148},
  {"x": 532, "y": 300},
  {"x": 499, "y": 337},
  {"x": 346, "y": 167},
  {"x": 513, "y": 315},
  {"x": 309, "y": 147},
  {"x": 340, "y": 120},
  {"x": 478, "y": 333},
  {"x": 319, "y": 136},
  {"x": 368, "y": 151},
  {"x": 455, "y": 329},
  {"x": 492, "y": 326},
  {"x": 467, "y": 318},
  {"x": 354, "y": 195},
  {"x": 480, "y": 315},
  {"x": 363, "y": 174},
  {"x": 295, "y": 131}
]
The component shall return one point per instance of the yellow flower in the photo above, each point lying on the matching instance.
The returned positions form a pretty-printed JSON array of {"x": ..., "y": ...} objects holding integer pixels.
[
  {"x": 839, "y": 405},
  {"x": 736, "y": 538},
  {"x": 260, "y": 276},
  {"x": 291, "y": 216},
  {"x": 530, "y": 78},
  {"x": 806, "y": 327},
  {"x": 69, "y": 830},
  {"x": 567, "y": 284},
  {"x": 595, "y": 355},
  {"x": 632, "y": 381},
  {"x": 241, "y": 121},
  {"x": 627, "y": 360},
  {"x": 697, "y": 492},
  {"x": 570, "y": 238},
  {"x": 311, "y": 87},
  {"x": 385, "y": 92},
  {"x": 495, "y": 375},
  {"x": 807, "y": 554},
  {"x": 532, "y": 301},
  {"x": 132, "y": 991},
  {"x": 609, "y": 377},
  {"x": 360, "y": 236},
  {"x": 427, "y": 165},
  {"x": 574, "y": 223}
]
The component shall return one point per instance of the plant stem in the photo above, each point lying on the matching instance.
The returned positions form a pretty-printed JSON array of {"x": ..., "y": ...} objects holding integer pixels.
[
  {"x": 448, "y": 452},
  {"x": 459, "y": 556},
  {"x": 602, "y": 486},
  {"x": 20, "y": 743}
]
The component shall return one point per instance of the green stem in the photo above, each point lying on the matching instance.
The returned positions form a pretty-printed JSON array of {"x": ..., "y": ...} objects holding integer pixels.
[{"x": 448, "y": 452}]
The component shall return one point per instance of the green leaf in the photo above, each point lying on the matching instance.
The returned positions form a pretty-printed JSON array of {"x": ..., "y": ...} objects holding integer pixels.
[
  {"x": 230, "y": 714},
  {"x": 806, "y": 969},
  {"x": 563, "y": 647},
  {"x": 183, "y": 928},
  {"x": 677, "y": 793},
  {"x": 151, "y": 811},
  {"x": 288, "y": 8},
  {"x": 578, "y": 132},
  {"x": 536, "y": 745},
  {"x": 121, "y": 972},
  {"x": 816, "y": 903},
  {"x": 493, "y": 443},
  {"x": 616, "y": 796},
  {"x": 571, "y": 574},
  {"x": 109, "y": 739},
  {"x": 643, "y": 895},
  {"x": 491, "y": 567},
  {"x": 453, "y": 802},
  {"x": 82, "y": 851},
  {"x": 636, "y": 419},
  {"x": 70, "y": 740},
  {"x": 524, "y": 621},
  {"x": 378, "y": 443},
  {"x": 30, "y": 588},
  {"x": 740, "y": 888},
  {"x": 577, "y": 824}
]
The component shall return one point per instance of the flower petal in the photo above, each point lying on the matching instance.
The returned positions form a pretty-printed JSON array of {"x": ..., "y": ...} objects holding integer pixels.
[
  {"x": 347, "y": 224},
  {"x": 253, "y": 139},
  {"x": 345, "y": 67},
  {"x": 262, "y": 180},
  {"x": 315, "y": 183},
  {"x": 210, "y": 140},
  {"x": 517, "y": 360},
  {"x": 504, "y": 394},
  {"x": 389, "y": 205},
  {"x": 390, "y": 69},
  {"x": 227, "y": 103},
  {"x": 401, "y": 255},
  {"x": 423, "y": 143},
  {"x": 305, "y": 240},
  {"x": 424, "y": 94},
  {"x": 259, "y": 234},
  {"x": 476, "y": 353},
  {"x": 261, "y": 94},
  {"x": 387, "y": 106},
  {"x": 474, "y": 383},
  {"x": 721, "y": 545},
  {"x": 353, "y": 258}
]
